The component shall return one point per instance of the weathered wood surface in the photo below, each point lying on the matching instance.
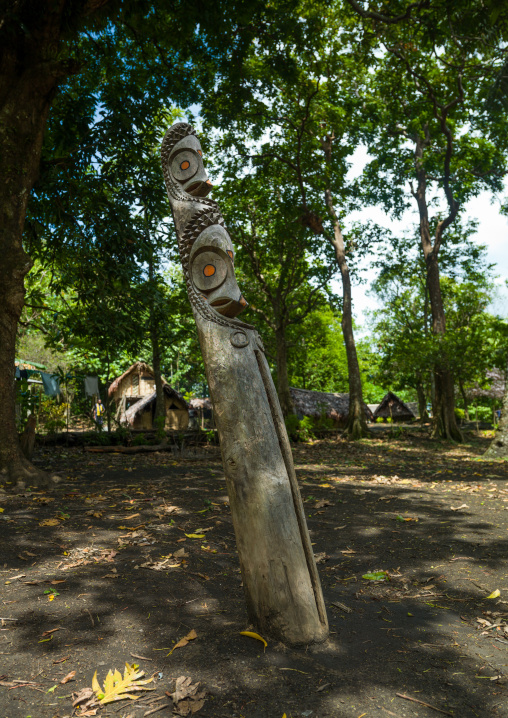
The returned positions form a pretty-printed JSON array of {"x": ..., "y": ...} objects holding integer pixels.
[{"x": 281, "y": 583}]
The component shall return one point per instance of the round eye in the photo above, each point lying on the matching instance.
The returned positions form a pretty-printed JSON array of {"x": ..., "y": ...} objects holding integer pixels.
[
  {"x": 209, "y": 270},
  {"x": 230, "y": 253},
  {"x": 184, "y": 165}
]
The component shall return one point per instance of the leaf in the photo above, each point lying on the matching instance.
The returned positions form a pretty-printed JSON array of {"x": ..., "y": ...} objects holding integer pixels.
[
  {"x": 1, "y": 511},
  {"x": 51, "y": 690},
  {"x": 184, "y": 641},
  {"x": 251, "y": 634},
  {"x": 376, "y": 576},
  {"x": 495, "y": 593},
  {"x": 116, "y": 688},
  {"x": 196, "y": 536},
  {"x": 49, "y": 522},
  {"x": 68, "y": 677}
]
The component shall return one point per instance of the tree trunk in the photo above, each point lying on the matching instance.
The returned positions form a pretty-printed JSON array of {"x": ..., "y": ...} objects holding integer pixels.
[
  {"x": 422, "y": 402},
  {"x": 27, "y": 86},
  {"x": 160, "y": 409},
  {"x": 357, "y": 424},
  {"x": 499, "y": 446},
  {"x": 464, "y": 399},
  {"x": 444, "y": 420},
  {"x": 285, "y": 400}
]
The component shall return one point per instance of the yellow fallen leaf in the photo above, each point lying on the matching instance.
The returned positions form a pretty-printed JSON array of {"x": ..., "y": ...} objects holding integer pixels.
[
  {"x": 1, "y": 511},
  {"x": 251, "y": 634},
  {"x": 49, "y": 522},
  {"x": 495, "y": 593},
  {"x": 196, "y": 536},
  {"x": 117, "y": 688},
  {"x": 184, "y": 641}
]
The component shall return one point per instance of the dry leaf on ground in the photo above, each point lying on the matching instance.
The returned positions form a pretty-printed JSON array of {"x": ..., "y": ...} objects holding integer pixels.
[
  {"x": 186, "y": 698},
  {"x": 184, "y": 641},
  {"x": 117, "y": 688},
  {"x": 68, "y": 677}
]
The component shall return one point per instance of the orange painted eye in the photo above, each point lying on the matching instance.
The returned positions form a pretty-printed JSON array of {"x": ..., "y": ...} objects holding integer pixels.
[
  {"x": 209, "y": 270},
  {"x": 200, "y": 153},
  {"x": 230, "y": 253},
  {"x": 185, "y": 165}
]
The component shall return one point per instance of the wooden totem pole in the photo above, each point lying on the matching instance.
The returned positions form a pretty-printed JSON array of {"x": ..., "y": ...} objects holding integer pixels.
[{"x": 281, "y": 583}]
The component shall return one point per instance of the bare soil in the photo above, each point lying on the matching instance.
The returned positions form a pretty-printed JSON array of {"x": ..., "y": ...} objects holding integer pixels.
[{"x": 93, "y": 561}]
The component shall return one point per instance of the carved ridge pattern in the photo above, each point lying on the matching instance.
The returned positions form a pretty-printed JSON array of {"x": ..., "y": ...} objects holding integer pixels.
[{"x": 204, "y": 217}]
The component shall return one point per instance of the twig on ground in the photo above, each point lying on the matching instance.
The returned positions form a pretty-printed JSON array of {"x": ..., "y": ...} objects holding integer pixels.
[{"x": 416, "y": 700}]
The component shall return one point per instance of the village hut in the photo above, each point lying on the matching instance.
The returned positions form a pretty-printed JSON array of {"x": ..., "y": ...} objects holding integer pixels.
[
  {"x": 393, "y": 408},
  {"x": 321, "y": 403},
  {"x": 201, "y": 413},
  {"x": 134, "y": 396}
]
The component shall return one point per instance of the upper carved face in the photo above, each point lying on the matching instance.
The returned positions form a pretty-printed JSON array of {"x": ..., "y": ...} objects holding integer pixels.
[
  {"x": 212, "y": 271},
  {"x": 186, "y": 166}
]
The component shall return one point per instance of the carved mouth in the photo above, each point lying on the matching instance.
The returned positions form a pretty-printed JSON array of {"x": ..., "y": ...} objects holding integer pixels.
[
  {"x": 199, "y": 189},
  {"x": 221, "y": 302}
]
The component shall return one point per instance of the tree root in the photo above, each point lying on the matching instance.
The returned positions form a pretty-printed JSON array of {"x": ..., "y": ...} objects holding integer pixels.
[
  {"x": 356, "y": 430},
  {"x": 23, "y": 473}
]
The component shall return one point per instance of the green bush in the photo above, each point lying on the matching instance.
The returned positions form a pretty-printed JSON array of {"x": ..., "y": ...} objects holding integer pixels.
[
  {"x": 485, "y": 413},
  {"x": 300, "y": 430},
  {"x": 459, "y": 413},
  {"x": 139, "y": 440}
]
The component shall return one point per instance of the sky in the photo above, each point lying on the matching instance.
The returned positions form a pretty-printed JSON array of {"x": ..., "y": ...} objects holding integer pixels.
[{"x": 492, "y": 232}]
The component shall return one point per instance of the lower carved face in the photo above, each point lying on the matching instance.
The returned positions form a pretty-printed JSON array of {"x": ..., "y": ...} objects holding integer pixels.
[{"x": 212, "y": 271}]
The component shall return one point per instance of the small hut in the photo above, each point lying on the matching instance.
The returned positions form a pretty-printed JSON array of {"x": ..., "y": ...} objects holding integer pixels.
[
  {"x": 201, "y": 413},
  {"x": 134, "y": 395},
  {"x": 319, "y": 403},
  {"x": 393, "y": 408}
]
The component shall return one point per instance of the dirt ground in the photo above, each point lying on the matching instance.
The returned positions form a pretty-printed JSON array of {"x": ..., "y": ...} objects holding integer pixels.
[{"x": 89, "y": 580}]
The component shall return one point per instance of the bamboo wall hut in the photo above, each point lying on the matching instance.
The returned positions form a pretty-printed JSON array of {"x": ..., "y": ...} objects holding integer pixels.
[
  {"x": 319, "y": 403},
  {"x": 394, "y": 408},
  {"x": 134, "y": 396}
]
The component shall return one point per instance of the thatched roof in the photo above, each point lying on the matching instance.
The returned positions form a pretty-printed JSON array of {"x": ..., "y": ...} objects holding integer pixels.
[
  {"x": 138, "y": 367},
  {"x": 146, "y": 402},
  {"x": 497, "y": 381},
  {"x": 204, "y": 403},
  {"x": 315, "y": 403},
  {"x": 392, "y": 406}
]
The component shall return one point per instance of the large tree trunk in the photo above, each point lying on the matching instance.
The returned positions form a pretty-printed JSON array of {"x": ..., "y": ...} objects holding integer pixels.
[
  {"x": 422, "y": 402},
  {"x": 285, "y": 400},
  {"x": 499, "y": 446},
  {"x": 357, "y": 424},
  {"x": 444, "y": 420},
  {"x": 27, "y": 85}
]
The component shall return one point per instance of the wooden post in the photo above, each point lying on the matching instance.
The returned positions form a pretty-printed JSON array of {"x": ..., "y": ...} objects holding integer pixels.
[{"x": 281, "y": 582}]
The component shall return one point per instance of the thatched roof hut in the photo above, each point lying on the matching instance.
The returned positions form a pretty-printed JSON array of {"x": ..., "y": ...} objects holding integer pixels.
[
  {"x": 496, "y": 388},
  {"x": 201, "y": 413},
  {"x": 317, "y": 403},
  {"x": 140, "y": 415},
  {"x": 394, "y": 408},
  {"x": 134, "y": 395}
]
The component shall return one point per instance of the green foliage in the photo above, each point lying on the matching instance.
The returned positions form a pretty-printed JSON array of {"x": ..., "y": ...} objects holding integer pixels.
[
  {"x": 139, "y": 440},
  {"x": 300, "y": 429}
]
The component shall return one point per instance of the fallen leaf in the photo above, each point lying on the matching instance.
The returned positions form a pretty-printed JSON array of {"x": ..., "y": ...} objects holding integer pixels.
[
  {"x": 322, "y": 503},
  {"x": 49, "y": 522},
  {"x": 495, "y": 593},
  {"x": 52, "y": 690},
  {"x": 195, "y": 536},
  {"x": 181, "y": 553},
  {"x": 47, "y": 633},
  {"x": 376, "y": 576},
  {"x": 132, "y": 516},
  {"x": 321, "y": 557},
  {"x": 184, "y": 641},
  {"x": 117, "y": 688},
  {"x": 68, "y": 677},
  {"x": 457, "y": 508},
  {"x": 251, "y": 634}
]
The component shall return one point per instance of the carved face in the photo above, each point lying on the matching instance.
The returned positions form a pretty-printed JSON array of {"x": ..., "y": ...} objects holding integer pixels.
[
  {"x": 186, "y": 166},
  {"x": 212, "y": 271}
]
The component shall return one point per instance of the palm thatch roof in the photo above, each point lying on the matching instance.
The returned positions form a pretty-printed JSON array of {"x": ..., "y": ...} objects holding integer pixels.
[
  {"x": 316, "y": 403},
  {"x": 496, "y": 390},
  {"x": 204, "y": 403},
  {"x": 138, "y": 367},
  {"x": 146, "y": 402},
  {"x": 393, "y": 407}
]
